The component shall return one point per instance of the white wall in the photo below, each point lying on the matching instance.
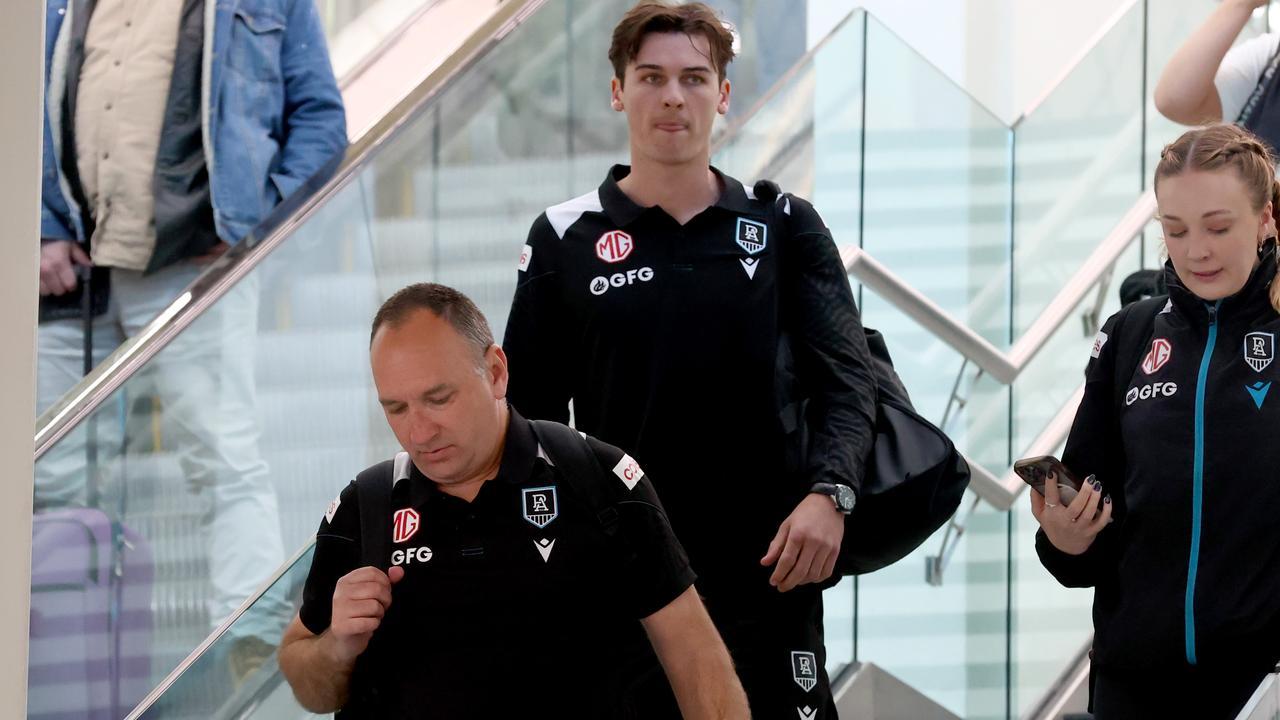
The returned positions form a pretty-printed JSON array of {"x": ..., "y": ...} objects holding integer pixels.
[
  {"x": 21, "y": 42},
  {"x": 974, "y": 42}
]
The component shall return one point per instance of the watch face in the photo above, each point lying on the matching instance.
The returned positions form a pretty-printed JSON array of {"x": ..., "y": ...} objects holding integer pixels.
[{"x": 844, "y": 497}]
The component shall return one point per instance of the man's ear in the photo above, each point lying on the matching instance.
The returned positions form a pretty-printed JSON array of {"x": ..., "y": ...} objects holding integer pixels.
[
  {"x": 723, "y": 107},
  {"x": 495, "y": 363},
  {"x": 615, "y": 94}
]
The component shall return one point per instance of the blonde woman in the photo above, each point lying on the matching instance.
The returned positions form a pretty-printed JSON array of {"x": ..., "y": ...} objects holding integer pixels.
[{"x": 1178, "y": 529}]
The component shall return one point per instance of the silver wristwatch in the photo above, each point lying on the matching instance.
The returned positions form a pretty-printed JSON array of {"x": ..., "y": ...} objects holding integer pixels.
[{"x": 841, "y": 495}]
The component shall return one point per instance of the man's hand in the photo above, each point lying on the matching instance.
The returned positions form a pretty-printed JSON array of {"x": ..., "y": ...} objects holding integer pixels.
[
  {"x": 807, "y": 544},
  {"x": 57, "y": 266},
  {"x": 360, "y": 600},
  {"x": 1071, "y": 528}
]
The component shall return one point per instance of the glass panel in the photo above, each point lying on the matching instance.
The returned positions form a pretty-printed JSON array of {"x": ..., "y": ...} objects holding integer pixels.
[
  {"x": 947, "y": 641},
  {"x": 777, "y": 143},
  {"x": 936, "y": 207},
  {"x": 340, "y": 16},
  {"x": 839, "y": 70},
  {"x": 1050, "y": 623},
  {"x": 937, "y": 211},
  {"x": 221, "y": 441},
  {"x": 358, "y": 30},
  {"x": 1078, "y": 166},
  {"x": 206, "y": 690}
]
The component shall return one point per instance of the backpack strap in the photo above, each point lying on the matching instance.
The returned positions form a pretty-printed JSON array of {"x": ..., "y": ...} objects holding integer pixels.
[
  {"x": 789, "y": 397},
  {"x": 1131, "y": 332},
  {"x": 1250, "y": 113},
  {"x": 373, "y": 490},
  {"x": 568, "y": 450}
]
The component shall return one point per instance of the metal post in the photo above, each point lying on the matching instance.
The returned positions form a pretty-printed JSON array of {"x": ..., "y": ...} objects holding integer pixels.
[{"x": 21, "y": 93}]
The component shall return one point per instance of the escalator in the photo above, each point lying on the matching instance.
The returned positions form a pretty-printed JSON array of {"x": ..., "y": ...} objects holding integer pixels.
[{"x": 925, "y": 182}]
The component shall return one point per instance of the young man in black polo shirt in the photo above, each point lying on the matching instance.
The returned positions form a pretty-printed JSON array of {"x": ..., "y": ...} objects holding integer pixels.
[
  {"x": 713, "y": 335},
  {"x": 504, "y": 594}
]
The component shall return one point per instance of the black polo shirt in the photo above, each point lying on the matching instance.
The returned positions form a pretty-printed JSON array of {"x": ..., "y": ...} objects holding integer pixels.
[
  {"x": 668, "y": 339},
  {"x": 517, "y": 604}
]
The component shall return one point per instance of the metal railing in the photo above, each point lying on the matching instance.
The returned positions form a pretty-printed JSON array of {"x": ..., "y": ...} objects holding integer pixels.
[
  {"x": 1073, "y": 681},
  {"x": 1264, "y": 704}
]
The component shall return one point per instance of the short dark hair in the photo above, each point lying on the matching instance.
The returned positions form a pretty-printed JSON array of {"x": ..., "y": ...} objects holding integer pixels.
[
  {"x": 445, "y": 303},
  {"x": 649, "y": 16}
]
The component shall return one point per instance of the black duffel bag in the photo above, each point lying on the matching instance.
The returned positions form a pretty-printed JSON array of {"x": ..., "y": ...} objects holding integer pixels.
[{"x": 914, "y": 481}]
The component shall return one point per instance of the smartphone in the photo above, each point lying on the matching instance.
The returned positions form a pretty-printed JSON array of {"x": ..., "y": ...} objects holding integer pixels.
[{"x": 1035, "y": 470}]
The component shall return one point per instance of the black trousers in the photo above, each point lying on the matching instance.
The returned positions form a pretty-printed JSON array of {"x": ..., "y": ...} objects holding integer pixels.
[
  {"x": 1186, "y": 692},
  {"x": 776, "y": 643},
  {"x": 777, "y": 646}
]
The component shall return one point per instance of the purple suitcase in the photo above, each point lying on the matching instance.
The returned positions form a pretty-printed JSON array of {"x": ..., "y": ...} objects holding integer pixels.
[{"x": 91, "y": 620}]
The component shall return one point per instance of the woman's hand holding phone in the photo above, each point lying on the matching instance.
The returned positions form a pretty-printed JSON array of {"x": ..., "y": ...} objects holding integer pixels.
[{"x": 1072, "y": 528}]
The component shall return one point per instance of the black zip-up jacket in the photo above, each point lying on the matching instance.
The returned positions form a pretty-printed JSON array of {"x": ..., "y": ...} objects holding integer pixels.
[
  {"x": 1189, "y": 571},
  {"x": 668, "y": 339}
]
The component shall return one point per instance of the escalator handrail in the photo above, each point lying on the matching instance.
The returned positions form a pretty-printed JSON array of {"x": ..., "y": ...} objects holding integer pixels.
[{"x": 245, "y": 256}]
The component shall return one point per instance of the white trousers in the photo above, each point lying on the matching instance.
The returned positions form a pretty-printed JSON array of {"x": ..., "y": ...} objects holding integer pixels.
[{"x": 204, "y": 379}]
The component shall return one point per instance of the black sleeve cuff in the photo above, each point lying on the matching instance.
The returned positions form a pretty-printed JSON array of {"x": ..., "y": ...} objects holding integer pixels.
[
  {"x": 666, "y": 591},
  {"x": 1075, "y": 571}
]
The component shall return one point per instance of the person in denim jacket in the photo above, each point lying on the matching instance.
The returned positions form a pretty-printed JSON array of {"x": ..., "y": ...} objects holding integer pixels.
[{"x": 172, "y": 128}]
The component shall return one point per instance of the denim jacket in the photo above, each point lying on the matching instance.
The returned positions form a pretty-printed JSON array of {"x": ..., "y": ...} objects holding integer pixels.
[{"x": 272, "y": 114}]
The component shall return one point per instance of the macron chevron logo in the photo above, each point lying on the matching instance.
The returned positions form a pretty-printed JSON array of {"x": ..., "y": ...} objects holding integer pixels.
[{"x": 1258, "y": 391}]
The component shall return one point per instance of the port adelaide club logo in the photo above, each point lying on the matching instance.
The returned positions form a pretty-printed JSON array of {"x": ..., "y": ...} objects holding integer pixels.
[
  {"x": 540, "y": 506},
  {"x": 1259, "y": 350},
  {"x": 804, "y": 669}
]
